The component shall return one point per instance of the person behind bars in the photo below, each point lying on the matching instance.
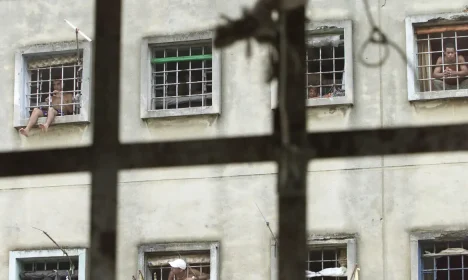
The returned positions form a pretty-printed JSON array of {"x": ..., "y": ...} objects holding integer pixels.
[
  {"x": 452, "y": 71},
  {"x": 179, "y": 271},
  {"x": 50, "y": 112}
]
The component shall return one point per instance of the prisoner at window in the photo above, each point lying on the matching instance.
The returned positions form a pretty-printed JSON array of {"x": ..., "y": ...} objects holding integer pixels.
[
  {"x": 49, "y": 269},
  {"x": 328, "y": 262},
  {"x": 43, "y": 71},
  {"x": 443, "y": 260},
  {"x": 181, "y": 76},
  {"x": 325, "y": 65},
  {"x": 441, "y": 57},
  {"x": 187, "y": 265}
]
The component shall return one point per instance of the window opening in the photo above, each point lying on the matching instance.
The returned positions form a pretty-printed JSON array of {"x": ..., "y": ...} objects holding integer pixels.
[
  {"x": 442, "y": 49},
  {"x": 327, "y": 263},
  {"x": 197, "y": 261},
  {"x": 446, "y": 260},
  {"x": 325, "y": 61},
  {"x": 181, "y": 76},
  {"x": 48, "y": 76},
  {"x": 49, "y": 268}
]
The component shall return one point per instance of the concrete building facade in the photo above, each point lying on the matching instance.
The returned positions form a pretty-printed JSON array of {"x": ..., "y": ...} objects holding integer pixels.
[{"x": 383, "y": 213}]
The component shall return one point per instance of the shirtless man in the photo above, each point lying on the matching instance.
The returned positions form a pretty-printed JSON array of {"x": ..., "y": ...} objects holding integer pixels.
[
  {"x": 452, "y": 71},
  {"x": 52, "y": 111},
  {"x": 179, "y": 271}
]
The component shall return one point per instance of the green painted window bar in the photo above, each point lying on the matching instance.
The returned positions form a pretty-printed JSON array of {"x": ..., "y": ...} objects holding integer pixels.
[
  {"x": 182, "y": 77},
  {"x": 182, "y": 58}
]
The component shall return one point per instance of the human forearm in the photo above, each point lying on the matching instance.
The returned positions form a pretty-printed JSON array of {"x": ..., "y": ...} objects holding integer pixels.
[
  {"x": 459, "y": 74},
  {"x": 438, "y": 75}
]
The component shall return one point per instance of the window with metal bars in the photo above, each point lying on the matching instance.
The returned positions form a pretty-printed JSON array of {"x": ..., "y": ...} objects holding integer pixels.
[
  {"x": 443, "y": 260},
  {"x": 201, "y": 257},
  {"x": 444, "y": 47},
  {"x": 182, "y": 76},
  {"x": 38, "y": 67},
  {"x": 325, "y": 65},
  {"x": 50, "y": 267},
  {"x": 197, "y": 262},
  {"x": 55, "y": 81},
  {"x": 320, "y": 258}
]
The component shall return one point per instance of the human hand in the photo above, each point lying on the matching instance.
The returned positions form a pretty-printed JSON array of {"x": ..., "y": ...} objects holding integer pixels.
[{"x": 448, "y": 72}]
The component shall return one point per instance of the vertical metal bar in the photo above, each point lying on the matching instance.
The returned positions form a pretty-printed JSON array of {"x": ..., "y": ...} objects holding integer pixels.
[
  {"x": 434, "y": 264},
  {"x": 61, "y": 95},
  {"x": 463, "y": 262},
  {"x": 334, "y": 68},
  {"x": 292, "y": 165},
  {"x": 430, "y": 61},
  {"x": 320, "y": 71},
  {"x": 203, "y": 78},
  {"x": 456, "y": 65},
  {"x": 50, "y": 85},
  {"x": 190, "y": 77},
  {"x": 37, "y": 91},
  {"x": 307, "y": 72},
  {"x": 106, "y": 76},
  {"x": 74, "y": 88},
  {"x": 443, "y": 58},
  {"x": 165, "y": 82},
  {"x": 177, "y": 80}
]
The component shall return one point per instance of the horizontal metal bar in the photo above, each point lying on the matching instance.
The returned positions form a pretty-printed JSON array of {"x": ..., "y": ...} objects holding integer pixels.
[
  {"x": 182, "y": 58},
  {"x": 388, "y": 141},
  {"x": 37, "y": 162}
]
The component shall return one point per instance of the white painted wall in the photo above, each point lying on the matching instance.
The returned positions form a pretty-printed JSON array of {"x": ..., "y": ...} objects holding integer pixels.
[{"x": 382, "y": 199}]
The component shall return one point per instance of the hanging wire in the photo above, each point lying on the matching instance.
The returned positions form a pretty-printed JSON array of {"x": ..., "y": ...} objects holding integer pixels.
[{"x": 377, "y": 37}]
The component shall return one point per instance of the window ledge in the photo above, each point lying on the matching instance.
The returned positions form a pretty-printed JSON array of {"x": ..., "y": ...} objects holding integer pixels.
[
  {"x": 180, "y": 112},
  {"x": 329, "y": 101},
  {"x": 58, "y": 120},
  {"x": 432, "y": 95}
]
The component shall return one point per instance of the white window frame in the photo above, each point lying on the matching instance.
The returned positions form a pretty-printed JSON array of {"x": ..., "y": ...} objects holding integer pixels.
[
  {"x": 17, "y": 256},
  {"x": 182, "y": 248},
  {"x": 411, "y": 52},
  {"x": 21, "y": 115},
  {"x": 319, "y": 240},
  {"x": 348, "y": 99},
  {"x": 416, "y": 237},
  {"x": 146, "y": 77}
]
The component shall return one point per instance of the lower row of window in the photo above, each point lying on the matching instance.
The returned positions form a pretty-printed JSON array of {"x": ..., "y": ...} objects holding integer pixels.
[{"x": 327, "y": 259}]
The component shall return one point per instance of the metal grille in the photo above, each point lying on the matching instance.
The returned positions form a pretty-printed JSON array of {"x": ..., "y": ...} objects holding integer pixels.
[
  {"x": 106, "y": 156},
  {"x": 49, "y": 264},
  {"x": 181, "y": 76},
  {"x": 162, "y": 272},
  {"x": 41, "y": 88},
  {"x": 326, "y": 257},
  {"x": 325, "y": 58},
  {"x": 443, "y": 267},
  {"x": 430, "y": 47}
]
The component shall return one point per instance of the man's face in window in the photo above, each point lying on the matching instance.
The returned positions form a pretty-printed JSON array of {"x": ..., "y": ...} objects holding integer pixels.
[
  {"x": 176, "y": 270},
  {"x": 450, "y": 54},
  {"x": 58, "y": 85}
]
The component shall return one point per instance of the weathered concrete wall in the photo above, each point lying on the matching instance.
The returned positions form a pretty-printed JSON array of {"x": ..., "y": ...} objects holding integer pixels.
[{"x": 381, "y": 199}]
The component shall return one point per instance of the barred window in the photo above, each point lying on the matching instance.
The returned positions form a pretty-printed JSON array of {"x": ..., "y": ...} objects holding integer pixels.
[
  {"x": 159, "y": 267},
  {"x": 444, "y": 260},
  {"x": 320, "y": 258},
  {"x": 57, "y": 268},
  {"x": 47, "y": 264},
  {"x": 445, "y": 48},
  {"x": 55, "y": 81},
  {"x": 325, "y": 65},
  {"x": 182, "y": 76}
]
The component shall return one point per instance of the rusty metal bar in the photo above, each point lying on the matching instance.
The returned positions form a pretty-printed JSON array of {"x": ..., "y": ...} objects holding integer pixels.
[
  {"x": 292, "y": 163},
  {"x": 388, "y": 141},
  {"x": 104, "y": 157}
]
